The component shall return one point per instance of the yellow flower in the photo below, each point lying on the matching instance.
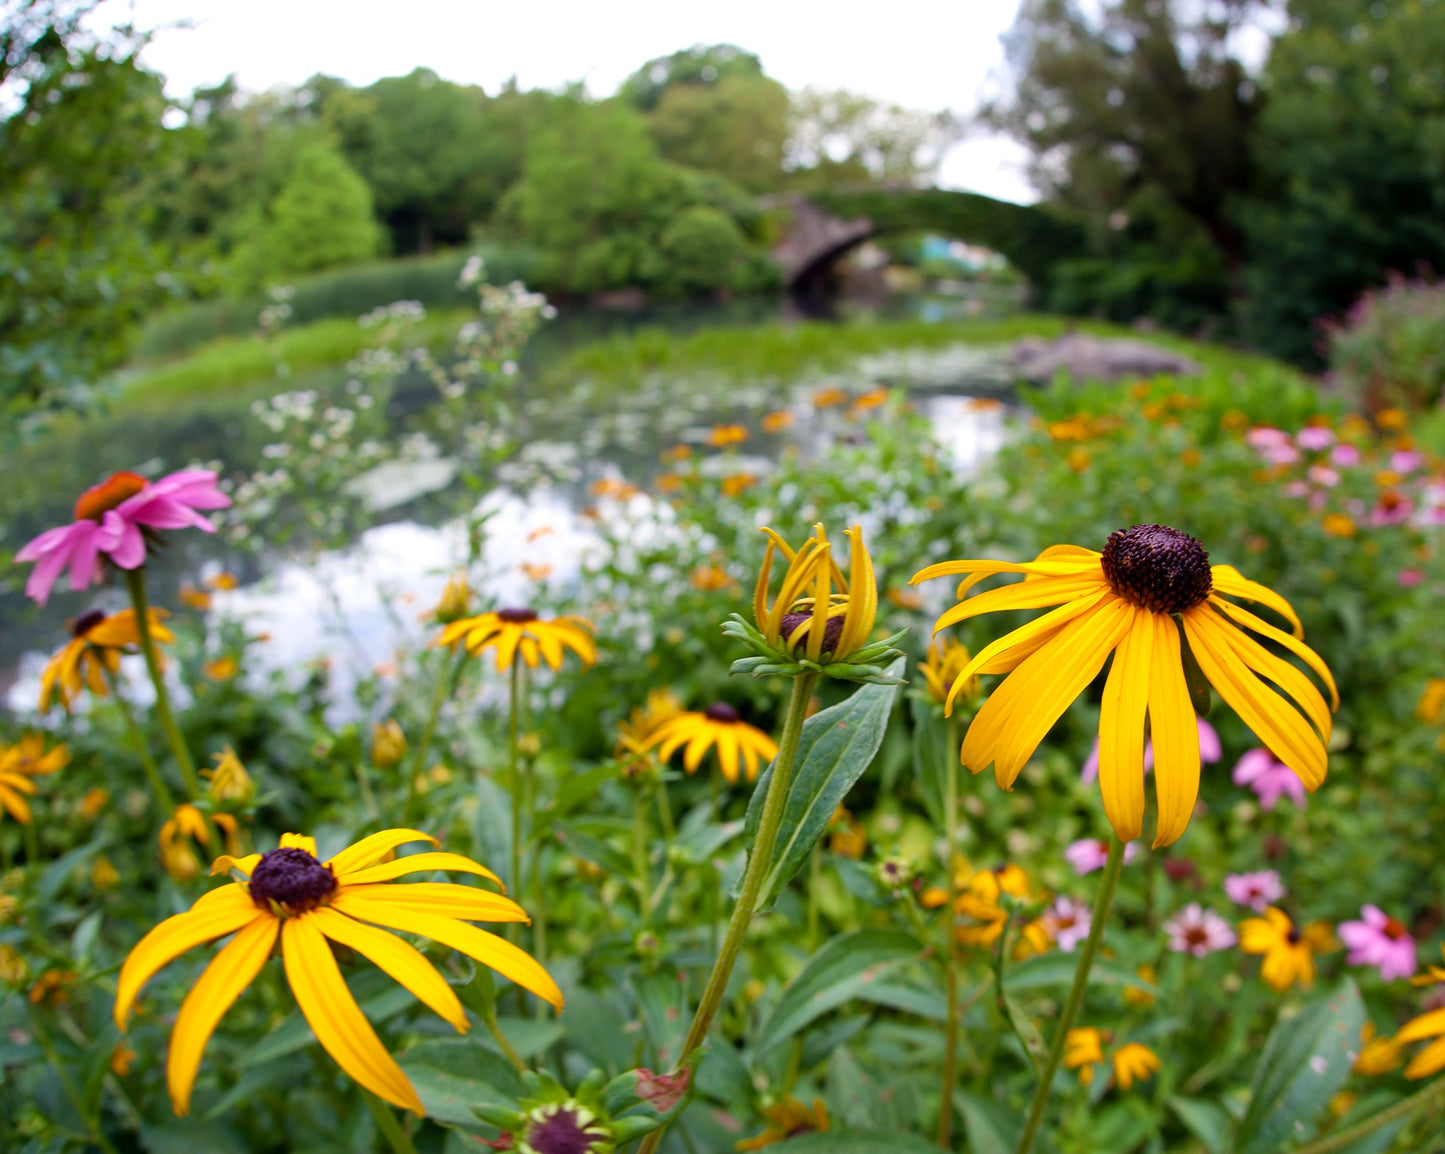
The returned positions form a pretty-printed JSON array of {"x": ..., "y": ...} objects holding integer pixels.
[
  {"x": 388, "y": 744},
  {"x": 290, "y": 895},
  {"x": 20, "y": 764},
  {"x": 1377, "y": 1055},
  {"x": 873, "y": 399},
  {"x": 945, "y": 661},
  {"x": 827, "y": 398},
  {"x": 848, "y": 838},
  {"x": 1432, "y": 702},
  {"x": 194, "y": 598},
  {"x": 1288, "y": 958},
  {"x": 717, "y": 726},
  {"x": 121, "y": 1058},
  {"x": 981, "y": 901},
  {"x": 14, "y": 969},
  {"x": 513, "y": 631},
  {"x": 103, "y": 875},
  {"x": 1083, "y": 1049},
  {"x": 455, "y": 602},
  {"x": 635, "y": 734},
  {"x": 1431, "y": 1024},
  {"x": 223, "y": 581},
  {"x": 787, "y": 1119},
  {"x": 1338, "y": 525},
  {"x": 817, "y": 609},
  {"x": 230, "y": 783},
  {"x": 94, "y": 802},
  {"x": 177, "y": 854},
  {"x": 51, "y": 988},
  {"x": 221, "y": 669},
  {"x": 94, "y": 649},
  {"x": 1391, "y": 419},
  {"x": 735, "y": 483},
  {"x": 710, "y": 578},
  {"x": 1134, "y": 996},
  {"x": 777, "y": 421},
  {"x": 1125, "y": 601},
  {"x": 722, "y": 436},
  {"x": 1133, "y": 1062}
]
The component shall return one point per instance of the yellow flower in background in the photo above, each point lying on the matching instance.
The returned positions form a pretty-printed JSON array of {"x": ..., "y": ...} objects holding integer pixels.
[
  {"x": 848, "y": 837},
  {"x": 514, "y": 631},
  {"x": 788, "y": 1119},
  {"x": 94, "y": 802},
  {"x": 1083, "y": 1050},
  {"x": 388, "y": 744},
  {"x": 30, "y": 757},
  {"x": 178, "y": 855},
  {"x": 980, "y": 900},
  {"x": 455, "y": 602},
  {"x": 1430, "y": 1060},
  {"x": 221, "y": 669},
  {"x": 872, "y": 399},
  {"x": 829, "y": 397},
  {"x": 223, "y": 581},
  {"x": 817, "y": 609},
  {"x": 14, "y": 969},
  {"x": 735, "y": 483},
  {"x": 722, "y": 436},
  {"x": 718, "y": 726},
  {"x": 940, "y": 669},
  {"x": 710, "y": 579},
  {"x": 121, "y": 1058},
  {"x": 1149, "y": 592},
  {"x": 194, "y": 598},
  {"x": 1377, "y": 1055},
  {"x": 1338, "y": 525},
  {"x": 52, "y": 988},
  {"x": 1432, "y": 702},
  {"x": 634, "y": 735},
  {"x": 104, "y": 875},
  {"x": 1133, "y": 1062},
  {"x": 94, "y": 649},
  {"x": 230, "y": 783},
  {"x": 1288, "y": 958},
  {"x": 289, "y": 895},
  {"x": 1134, "y": 996},
  {"x": 777, "y": 421}
]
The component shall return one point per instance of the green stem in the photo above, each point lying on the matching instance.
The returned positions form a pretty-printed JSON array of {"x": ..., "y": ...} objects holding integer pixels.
[
  {"x": 386, "y": 1122},
  {"x": 950, "y": 960},
  {"x": 445, "y": 677},
  {"x": 1075, "y": 999},
  {"x": 72, "y": 1091},
  {"x": 815, "y": 865},
  {"x": 495, "y": 1028},
  {"x": 1429, "y": 1096},
  {"x": 759, "y": 862},
  {"x": 364, "y": 785},
  {"x": 639, "y": 849},
  {"x": 664, "y": 813},
  {"x": 142, "y": 749},
  {"x": 32, "y": 846},
  {"x": 135, "y": 583},
  {"x": 514, "y": 778}
]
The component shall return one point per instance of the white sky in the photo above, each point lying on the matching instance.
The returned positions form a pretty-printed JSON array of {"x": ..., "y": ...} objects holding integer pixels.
[{"x": 927, "y": 54}]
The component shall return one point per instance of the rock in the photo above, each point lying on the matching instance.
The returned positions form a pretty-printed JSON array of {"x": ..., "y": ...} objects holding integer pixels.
[{"x": 1086, "y": 358}]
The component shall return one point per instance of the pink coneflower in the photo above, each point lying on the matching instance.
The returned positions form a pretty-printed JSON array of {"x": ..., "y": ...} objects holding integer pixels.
[
  {"x": 1209, "y": 752},
  {"x": 1344, "y": 456},
  {"x": 1091, "y": 853},
  {"x": 1380, "y": 941},
  {"x": 1256, "y": 890},
  {"x": 1270, "y": 779},
  {"x": 1195, "y": 930},
  {"x": 1392, "y": 508},
  {"x": 1406, "y": 460},
  {"x": 1409, "y": 578},
  {"x": 1315, "y": 438},
  {"x": 1068, "y": 921},
  {"x": 1324, "y": 475},
  {"x": 108, "y": 522}
]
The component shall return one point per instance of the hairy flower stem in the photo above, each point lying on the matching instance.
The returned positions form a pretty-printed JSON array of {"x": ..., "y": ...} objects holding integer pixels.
[
  {"x": 445, "y": 677},
  {"x": 388, "y": 1125},
  {"x": 1433, "y": 1094},
  {"x": 135, "y": 584},
  {"x": 514, "y": 777},
  {"x": 141, "y": 747},
  {"x": 639, "y": 850},
  {"x": 1105, "y": 898},
  {"x": 950, "y": 959},
  {"x": 759, "y": 862}
]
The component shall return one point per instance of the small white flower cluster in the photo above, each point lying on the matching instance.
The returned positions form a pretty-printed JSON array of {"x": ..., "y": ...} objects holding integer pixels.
[{"x": 398, "y": 312}]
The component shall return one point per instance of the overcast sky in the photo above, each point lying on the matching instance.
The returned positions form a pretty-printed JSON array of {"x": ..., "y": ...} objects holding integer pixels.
[{"x": 928, "y": 54}]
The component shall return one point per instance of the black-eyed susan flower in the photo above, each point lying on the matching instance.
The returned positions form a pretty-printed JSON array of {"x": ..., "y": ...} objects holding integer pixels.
[
  {"x": 1377, "y": 1055},
  {"x": 20, "y": 765},
  {"x": 455, "y": 601},
  {"x": 786, "y": 1119},
  {"x": 97, "y": 643},
  {"x": 514, "y": 631},
  {"x": 388, "y": 744},
  {"x": 1148, "y": 598},
  {"x": 230, "y": 784},
  {"x": 185, "y": 826},
  {"x": 940, "y": 668},
  {"x": 1289, "y": 957},
  {"x": 289, "y": 895},
  {"x": 718, "y": 727},
  {"x": 1083, "y": 1050},
  {"x": 820, "y": 620},
  {"x": 634, "y": 735},
  {"x": 1133, "y": 1062}
]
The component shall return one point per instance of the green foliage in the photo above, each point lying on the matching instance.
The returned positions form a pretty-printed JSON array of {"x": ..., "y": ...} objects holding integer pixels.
[
  {"x": 705, "y": 251},
  {"x": 1389, "y": 350},
  {"x": 701, "y": 66},
  {"x": 839, "y": 138},
  {"x": 736, "y": 127},
  {"x": 320, "y": 218}
]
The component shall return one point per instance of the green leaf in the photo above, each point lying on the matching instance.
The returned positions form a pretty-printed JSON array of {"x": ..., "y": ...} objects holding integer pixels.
[
  {"x": 842, "y": 970},
  {"x": 993, "y": 1128},
  {"x": 933, "y": 757},
  {"x": 295, "y": 1032},
  {"x": 1027, "y": 1031},
  {"x": 1057, "y": 969},
  {"x": 858, "y": 1142},
  {"x": 1207, "y": 1121},
  {"x": 452, "y": 1075},
  {"x": 1305, "y": 1061},
  {"x": 836, "y": 746}
]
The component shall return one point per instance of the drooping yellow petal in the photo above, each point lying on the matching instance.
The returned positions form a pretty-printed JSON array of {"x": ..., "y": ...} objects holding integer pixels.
[
  {"x": 498, "y": 953},
  {"x": 1287, "y": 677},
  {"x": 1244, "y": 617},
  {"x": 696, "y": 748},
  {"x": 1025, "y": 595},
  {"x": 1430, "y": 1060},
  {"x": 299, "y": 841},
  {"x": 446, "y": 899},
  {"x": 230, "y": 972},
  {"x": 221, "y": 915},
  {"x": 372, "y": 849},
  {"x": 1427, "y": 1025},
  {"x": 1176, "y": 734},
  {"x": 336, "y": 1019},
  {"x": 978, "y": 570},
  {"x": 506, "y": 649},
  {"x": 421, "y": 863},
  {"x": 1121, "y": 727},
  {"x": 1230, "y": 581},
  {"x": 727, "y": 753},
  {"x": 17, "y": 806},
  {"x": 398, "y": 959},
  {"x": 226, "y": 863},
  {"x": 1274, "y": 720}
]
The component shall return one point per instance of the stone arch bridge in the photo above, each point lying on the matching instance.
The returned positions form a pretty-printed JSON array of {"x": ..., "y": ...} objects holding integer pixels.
[{"x": 824, "y": 227}]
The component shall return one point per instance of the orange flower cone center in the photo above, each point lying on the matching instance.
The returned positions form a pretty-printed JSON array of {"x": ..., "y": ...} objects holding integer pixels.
[{"x": 100, "y": 499}]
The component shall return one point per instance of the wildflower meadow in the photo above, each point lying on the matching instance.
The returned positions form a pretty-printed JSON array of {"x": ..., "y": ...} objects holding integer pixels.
[{"x": 802, "y": 789}]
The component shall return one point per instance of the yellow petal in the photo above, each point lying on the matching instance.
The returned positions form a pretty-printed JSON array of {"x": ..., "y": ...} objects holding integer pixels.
[
  {"x": 299, "y": 841},
  {"x": 727, "y": 754},
  {"x": 226, "y": 863},
  {"x": 398, "y": 959},
  {"x": 1274, "y": 720},
  {"x": 981, "y": 569},
  {"x": 508, "y": 960},
  {"x": 1244, "y": 617},
  {"x": 419, "y": 863},
  {"x": 445, "y": 898},
  {"x": 1229, "y": 580},
  {"x": 1425, "y": 1026},
  {"x": 219, "y": 896},
  {"x": 1430, "y": 1060},
  {"x": 1121, "y": 726},
  {"x": 862, "y": 595},
  {"x": 230, "y": 972},
  {"x": 1024, "y": 595},
  {"x": 1176, "y": 735},
  {"x": 336, "y": 1019},
  {"x": 1286, "y": 676},
  {"x": 372, "y": 849},
  {"x": 506, "y": 648},
  {"x": 220, "y": 916},
  {"x": 18, "y": 807}
]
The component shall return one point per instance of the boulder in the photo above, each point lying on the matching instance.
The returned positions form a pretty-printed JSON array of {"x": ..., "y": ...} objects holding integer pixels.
[{"x": 1087, "y": 358}]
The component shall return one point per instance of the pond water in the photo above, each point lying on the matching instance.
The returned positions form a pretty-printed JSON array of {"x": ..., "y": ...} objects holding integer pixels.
[{"x": 359, "y": 603}]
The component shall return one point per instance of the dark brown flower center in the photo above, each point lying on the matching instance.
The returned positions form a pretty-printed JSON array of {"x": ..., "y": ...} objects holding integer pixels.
[
  {"x": 563, "y": 1131},
  {"x": 722, "y": 711},
  {"x": 86, "y": 622},
  {"x": 1395, "y": 929},
  {"x": 1157, "y": 568},
  {"x": 100, "y": 499},
  {"x": 831, "y": 631},
  {"x": 1293, "y": 936},
  {"x": 1195, "y": 936},
  {"x": 292, "y": 879},
  {"x": 517, "y": 616}
]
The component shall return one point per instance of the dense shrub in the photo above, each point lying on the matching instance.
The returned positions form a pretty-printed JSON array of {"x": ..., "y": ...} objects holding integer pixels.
[{"x": 1389, "y": 349}]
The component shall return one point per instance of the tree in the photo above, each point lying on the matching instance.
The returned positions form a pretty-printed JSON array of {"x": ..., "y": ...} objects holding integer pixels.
[
  {"x": 736, "y": 127},
  {"x": 699, "y": 66},
  {"x": 841, "y": 138}
]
